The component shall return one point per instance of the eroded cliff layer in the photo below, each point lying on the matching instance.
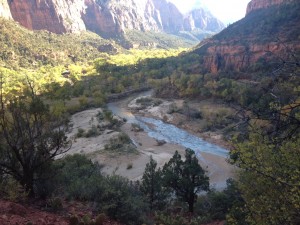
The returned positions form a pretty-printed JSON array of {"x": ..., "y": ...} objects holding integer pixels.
[
  {"x": 105, "y": 17},
  {"x": 4, "y": 9},
  {"x": 58, "y": 16},
  {"x": 271, "y": 33}
]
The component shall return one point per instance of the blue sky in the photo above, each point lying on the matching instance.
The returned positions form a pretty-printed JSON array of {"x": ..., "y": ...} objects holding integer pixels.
[{"x": 227, "y": 11}]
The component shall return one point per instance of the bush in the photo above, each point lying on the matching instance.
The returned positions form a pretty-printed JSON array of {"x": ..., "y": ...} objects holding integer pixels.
[
  {"x": 136, "y": 127},
  {"x": 129, "y": 166},
  {"x": 55, "y": 204},
  {"x": 79, "y": 178},
  {"x": 100, "y": 219},
  {"x": 92, "y": 132},
  {"x": 122, "y": 143},
  {"x": 80, "y": 133},
  {"x": 122, "y": 201}
]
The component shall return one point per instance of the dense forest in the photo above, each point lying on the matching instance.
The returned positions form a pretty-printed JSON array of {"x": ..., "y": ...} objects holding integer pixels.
[{"x": 45, "y": 81}]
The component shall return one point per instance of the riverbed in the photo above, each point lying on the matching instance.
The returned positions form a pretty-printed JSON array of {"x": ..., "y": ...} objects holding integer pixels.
[{"x": 211, "y": 156}]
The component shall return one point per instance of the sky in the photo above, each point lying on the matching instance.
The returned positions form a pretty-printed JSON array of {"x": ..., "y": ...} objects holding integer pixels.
[{"x": 228, "y": 11}]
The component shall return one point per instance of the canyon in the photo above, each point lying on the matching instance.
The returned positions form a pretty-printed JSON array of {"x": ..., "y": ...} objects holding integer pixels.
[
  {"x": 269, "y": 31},
  {"x": 106, "y": 18}
]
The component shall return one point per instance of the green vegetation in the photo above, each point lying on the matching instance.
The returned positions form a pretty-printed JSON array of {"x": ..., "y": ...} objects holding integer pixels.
[
  {"x": 275, "y": 19},
  {"x": 150, "y": 40},
  {"x": 121, "y": 144},
  {"x": 151, "y": 186},
  {"x": 37, "y": 100},
  {"x": 186, "y": 178},
  {"x": 30, "y": 139},
  {"x": 27, "y": 49}
]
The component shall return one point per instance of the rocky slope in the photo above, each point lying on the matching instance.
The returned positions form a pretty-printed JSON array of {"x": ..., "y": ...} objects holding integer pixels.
[
  {"x": 4, "y": 9},
  {"x": 261, "y": 4},
  {"x": 269, "y": 33},
  {"x": 105, "y": 17}
]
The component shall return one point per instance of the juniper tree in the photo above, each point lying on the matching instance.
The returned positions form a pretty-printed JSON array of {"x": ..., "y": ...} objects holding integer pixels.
[
  {"x": 30, "y": 138},
  {"x": 185, "y": 178}
]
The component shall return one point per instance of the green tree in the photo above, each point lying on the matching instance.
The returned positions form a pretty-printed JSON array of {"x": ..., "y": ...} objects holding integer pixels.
[
  {"x": 151, "y": 185},
  {"x": 269, "y": 180},
  {"x": 30, "y": 139},
  {"x": 186, "y": 178}
]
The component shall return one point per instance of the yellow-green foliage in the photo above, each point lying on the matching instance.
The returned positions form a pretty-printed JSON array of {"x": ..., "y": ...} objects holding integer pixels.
[
  {"x": 27, "y": 49},
  {"x": 134, "y": 56},
  {"x": 269, "y": 181}
]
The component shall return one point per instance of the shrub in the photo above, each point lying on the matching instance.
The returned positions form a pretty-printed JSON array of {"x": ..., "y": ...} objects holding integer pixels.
[
  {"x": 136, "y": 127},
  {"x": 55, "y": 204},
  {"x": 80, "y": 133},
  {"x": 92, "y": 132},
  {"x": 129, "y": 166},
  {"x": 122, "y": 201},
  {"x": 73, "y": 220},
  {"x": 122, "y": 143},
  {"x": 100, "y": 219}
]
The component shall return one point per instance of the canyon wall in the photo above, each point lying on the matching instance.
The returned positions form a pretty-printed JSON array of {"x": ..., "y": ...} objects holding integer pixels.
[
  {"x": 271, "y": 33},
  {"x": 105, "y": 17},
  {"x": 4, "y": 9}
]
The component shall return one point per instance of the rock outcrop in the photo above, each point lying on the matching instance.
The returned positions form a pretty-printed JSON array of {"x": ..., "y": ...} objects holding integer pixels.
[
  {"x": 105, "y": 17},
  {"x": 4, "y": 9},
  {"x": 202, "y": 19},
  {"x": 57, "y": 16},
  {"x": 271, "y": 33}
]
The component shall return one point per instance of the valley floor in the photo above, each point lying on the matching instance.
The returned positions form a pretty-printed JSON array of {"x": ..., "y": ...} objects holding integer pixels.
[{"x": 132, "y": 165}]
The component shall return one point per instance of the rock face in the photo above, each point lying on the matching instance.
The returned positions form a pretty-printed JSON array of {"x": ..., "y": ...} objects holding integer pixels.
[
  {"x": 200, "y": 18},
  {"x": 58, "y": 16},
  {"x": 4, "y": 9},
  {"x": 263, "y": 35},
  {"x": 105, "y": 17}
]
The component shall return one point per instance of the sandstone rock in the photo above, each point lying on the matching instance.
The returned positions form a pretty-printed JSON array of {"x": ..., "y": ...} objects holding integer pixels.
[
  {"x": 109, "y": 18},
  {"x": 241, "y": 45},
  {"x": 17, "y": 209},
  {"x": 4, "y": 9},
  {"x": 202, "y": 19}
]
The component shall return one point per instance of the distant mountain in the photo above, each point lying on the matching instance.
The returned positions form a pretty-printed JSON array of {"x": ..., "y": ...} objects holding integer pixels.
[
  {"x": 202, "y": 19},
  {"x": 269, "y": 32},
  {"x": 108, "y": 18}
]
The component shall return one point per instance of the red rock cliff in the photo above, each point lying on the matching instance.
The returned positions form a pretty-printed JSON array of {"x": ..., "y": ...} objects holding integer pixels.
[
  {"x": 58, "y": 16},
  {"x": 105, "y": 17},
  {"x": 4, "y": 9},
  {"x": 269, "y": 34}
]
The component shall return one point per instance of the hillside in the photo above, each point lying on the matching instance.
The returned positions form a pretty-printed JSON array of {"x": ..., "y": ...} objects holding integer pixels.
[
  {"x": 111, "y": 19},
  {"x": 265, "y": 34}
]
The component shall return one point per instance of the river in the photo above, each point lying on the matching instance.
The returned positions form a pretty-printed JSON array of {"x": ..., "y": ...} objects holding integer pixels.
[{"x": 163, "y": 131}]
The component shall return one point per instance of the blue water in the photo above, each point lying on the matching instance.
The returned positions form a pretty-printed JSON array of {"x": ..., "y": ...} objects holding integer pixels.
[{"x": 170, "y": 133}]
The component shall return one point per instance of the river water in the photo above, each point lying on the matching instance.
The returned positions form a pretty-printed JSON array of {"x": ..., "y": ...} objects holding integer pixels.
[{"x": 163, "y": 131}]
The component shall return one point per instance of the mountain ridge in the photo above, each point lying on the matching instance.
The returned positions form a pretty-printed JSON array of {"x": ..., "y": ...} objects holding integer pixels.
[
  {"x": 267, "y": 32},
  {"x": 106, "y": 18}
]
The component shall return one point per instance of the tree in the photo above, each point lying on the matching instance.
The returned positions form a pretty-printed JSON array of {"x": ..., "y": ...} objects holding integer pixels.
[
  {"x": 151, "y": 185},
  {"x": 30, "y": 139},
  {"x": 186, "y": 178},
  {"x": 270, "y": 157},
  {"x": 269, "y": 179}
]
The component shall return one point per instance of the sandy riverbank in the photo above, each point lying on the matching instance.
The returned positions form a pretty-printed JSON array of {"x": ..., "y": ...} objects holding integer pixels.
[{"x": 218, "y": 169}]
